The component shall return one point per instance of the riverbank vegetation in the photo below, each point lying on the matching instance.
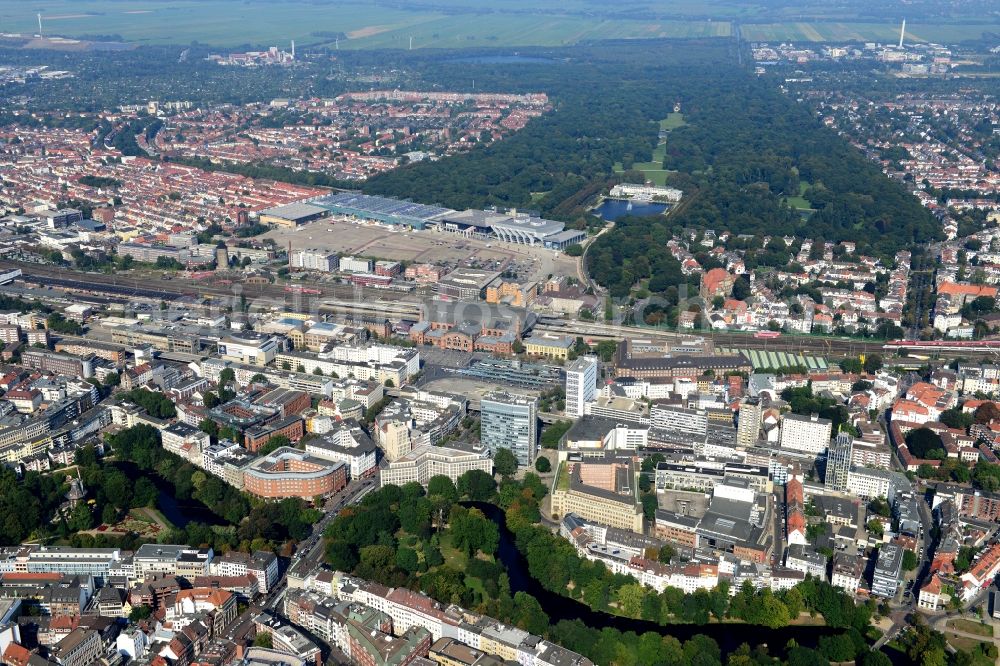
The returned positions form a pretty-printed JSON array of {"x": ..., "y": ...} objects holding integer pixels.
[
  {"x": 127, "y": 478},
  {"x": 426, "y": 540}
]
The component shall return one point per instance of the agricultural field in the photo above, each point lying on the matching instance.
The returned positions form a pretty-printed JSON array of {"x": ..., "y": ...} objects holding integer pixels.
[
  {"x": 365, "y": 24},
  {"x": 864, "y": 32}
]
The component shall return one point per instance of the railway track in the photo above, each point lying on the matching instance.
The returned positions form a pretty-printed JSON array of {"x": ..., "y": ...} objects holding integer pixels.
[{"x": 353, "y": 299}]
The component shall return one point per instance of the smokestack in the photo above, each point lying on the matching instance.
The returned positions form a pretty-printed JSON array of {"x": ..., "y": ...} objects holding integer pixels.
[{"x": 902, "y": 31}]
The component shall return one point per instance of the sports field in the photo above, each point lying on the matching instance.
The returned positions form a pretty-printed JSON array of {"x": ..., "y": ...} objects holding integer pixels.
[{"x": 366, "y": 24}]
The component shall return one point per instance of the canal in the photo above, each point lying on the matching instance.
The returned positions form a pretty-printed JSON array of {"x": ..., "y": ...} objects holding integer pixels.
[{"x": 728, "y": 636}]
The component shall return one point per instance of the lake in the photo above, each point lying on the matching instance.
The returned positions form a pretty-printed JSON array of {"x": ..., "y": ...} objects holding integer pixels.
[
  {"x": 612, "y": 209},
  {"x": 728, "y": 636},
  {"x": 180, "y": 515}
]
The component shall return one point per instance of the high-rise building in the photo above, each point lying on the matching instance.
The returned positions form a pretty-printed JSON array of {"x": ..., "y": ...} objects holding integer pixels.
[
  {"x": 838, "y": 462},
  {"x": 581, "y": 385},
  {"x": 748, "y": 425},
  {"x": 510, "y": 421},
  {"x": 805, "y": 433}
]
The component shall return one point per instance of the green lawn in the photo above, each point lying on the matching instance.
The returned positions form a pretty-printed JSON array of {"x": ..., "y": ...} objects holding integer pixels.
[
  {"x": 969, "y": 645},
  {"x": 672, "y": 121},
  {"x": 563, "y": 482},
  {"x": 136, "y": 514},
  {"x": 653, "y": 169},
  {"x": 453, "y": 557},
  {"x": 971, "y": 627},
  {"x": 800, "y": 202}
]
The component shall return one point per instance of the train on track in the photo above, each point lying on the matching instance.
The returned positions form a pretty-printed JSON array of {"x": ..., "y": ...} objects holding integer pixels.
[{"x": 943, "y": 345}]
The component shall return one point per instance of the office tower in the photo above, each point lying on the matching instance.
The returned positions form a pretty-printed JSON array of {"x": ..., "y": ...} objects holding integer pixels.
[
  {"x": 510, "y": 421},
  {"x": 581, "y": 385}
]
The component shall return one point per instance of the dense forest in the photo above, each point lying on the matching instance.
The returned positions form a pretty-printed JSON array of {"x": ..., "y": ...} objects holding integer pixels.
[
  {"x": 608, "y": 103},
  {"x": 748, "y": 160}
]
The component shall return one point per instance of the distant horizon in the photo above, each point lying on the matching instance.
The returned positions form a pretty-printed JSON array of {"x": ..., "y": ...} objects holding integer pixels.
[{"x": 228, "y": 24}]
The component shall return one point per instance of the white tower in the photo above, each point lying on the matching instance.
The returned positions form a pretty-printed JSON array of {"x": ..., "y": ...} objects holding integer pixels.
[
  {"x": 39, "y": 25},
  {"x": 902, "y": 31},
  {"x": 581, "y": 385},
  {"x": 293, "y": 49}
]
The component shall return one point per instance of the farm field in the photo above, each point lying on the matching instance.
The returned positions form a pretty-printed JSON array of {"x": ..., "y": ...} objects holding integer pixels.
[
  {"x": 864, "y": 32},
  {"x": 366, "y": 25}
]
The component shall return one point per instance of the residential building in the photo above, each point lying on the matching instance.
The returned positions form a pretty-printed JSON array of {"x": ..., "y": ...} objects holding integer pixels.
[
  {"x": 805, "y": 433},
  {"x": 838, "y": 462},
  {"x": 749, "y": 421}
]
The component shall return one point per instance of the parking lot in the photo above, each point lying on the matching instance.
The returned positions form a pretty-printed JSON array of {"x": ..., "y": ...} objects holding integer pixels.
[{"x": 384, "y": 242}]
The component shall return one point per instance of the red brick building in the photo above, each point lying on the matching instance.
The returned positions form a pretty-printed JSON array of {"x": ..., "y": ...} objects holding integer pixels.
[{"x": 290, "y": 472}]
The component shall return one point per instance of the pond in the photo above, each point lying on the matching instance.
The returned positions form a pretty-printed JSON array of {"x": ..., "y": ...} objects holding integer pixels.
[
  {"x": 612, "y": 209},
  {"x": 728, "y": 636},
  {"x": 179, "y": 514}
]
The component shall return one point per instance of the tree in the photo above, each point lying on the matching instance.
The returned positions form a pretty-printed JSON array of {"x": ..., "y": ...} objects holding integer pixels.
[
  {"x": 81, "y": 518},
  {"x": 986, "y": 412},
  {"x": 477, "y": 485},
  {"x": 139, "y": 613},
  {"x": 504, "y": 462},
  {"x": 873, "y": 363},
  {"x": 542, "y": 465},
  {"x": 264, "y": 640},
  {"x": 407, "y": 560},
  {"x": 273, "y": 444},
  {"x": 442, "y": 486},
  {"x": 629, "y": 599},
  {"x": 909, "y": 560},
  {"x": 210, "y": 427},
  {"x": 471, "y": 531},
  {"x": 875, "y": 527},
  {"x": 922, "y": 442},
  {"x": 851, "y": 365}
]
